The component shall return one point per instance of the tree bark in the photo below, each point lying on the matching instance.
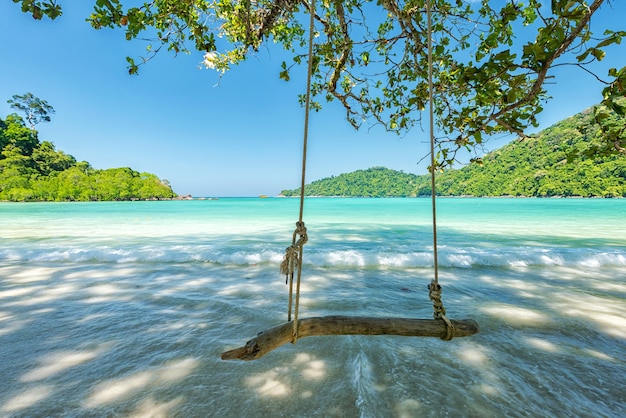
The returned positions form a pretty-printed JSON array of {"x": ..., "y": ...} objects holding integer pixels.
[{"x": 273, "y": 338}]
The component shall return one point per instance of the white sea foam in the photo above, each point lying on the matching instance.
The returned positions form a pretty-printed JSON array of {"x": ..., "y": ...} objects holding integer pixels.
[{"x": 318, "y": 256}]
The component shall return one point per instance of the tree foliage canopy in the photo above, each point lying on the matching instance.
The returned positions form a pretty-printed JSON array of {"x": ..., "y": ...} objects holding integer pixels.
[
  {"x": 491, "y": 59},
  {"x": 35, "y": 109}
]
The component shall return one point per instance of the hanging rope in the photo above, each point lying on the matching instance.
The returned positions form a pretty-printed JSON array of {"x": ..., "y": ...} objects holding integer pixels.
[
  {"x": 434, "y": 289},
  {"x": 292, "y": 262}
]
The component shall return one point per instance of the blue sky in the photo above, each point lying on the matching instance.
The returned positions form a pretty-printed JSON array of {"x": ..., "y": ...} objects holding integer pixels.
[{"x": 241, "y": 137}]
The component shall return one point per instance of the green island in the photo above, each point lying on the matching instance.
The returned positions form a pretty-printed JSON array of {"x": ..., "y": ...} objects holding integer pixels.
[
  {"x": 563, "y": 160},
  {"x": 33, "y": 170}
]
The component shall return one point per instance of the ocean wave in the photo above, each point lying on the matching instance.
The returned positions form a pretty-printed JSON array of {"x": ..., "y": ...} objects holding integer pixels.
[
  {"x": 463, "y": 258},
  {"x": 321, "y": 257}
]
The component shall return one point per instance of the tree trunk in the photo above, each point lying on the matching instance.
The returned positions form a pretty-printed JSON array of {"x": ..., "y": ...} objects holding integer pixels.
[{"x": 273, "y": 338}]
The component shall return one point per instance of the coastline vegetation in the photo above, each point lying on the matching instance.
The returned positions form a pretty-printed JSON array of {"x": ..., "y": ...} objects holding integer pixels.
[
  {"x": 32, "y": 170},
  {"x": 561, "y": 161}
]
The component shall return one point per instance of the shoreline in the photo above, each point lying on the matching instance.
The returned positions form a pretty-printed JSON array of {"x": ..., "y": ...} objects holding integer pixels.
[{"x": 216, "y": 198}]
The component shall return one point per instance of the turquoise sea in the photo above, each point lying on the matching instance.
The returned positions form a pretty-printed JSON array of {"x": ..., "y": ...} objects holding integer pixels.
[{"x": 122, "y": 309}]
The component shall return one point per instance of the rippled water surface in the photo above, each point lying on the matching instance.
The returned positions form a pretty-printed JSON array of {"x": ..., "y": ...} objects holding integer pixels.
[{"x": 123, "y": 309}]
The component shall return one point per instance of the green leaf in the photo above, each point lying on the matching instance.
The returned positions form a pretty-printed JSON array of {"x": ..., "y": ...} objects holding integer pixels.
[
  {"x": 365, "y": 57},
  {"x": 598, "y": 53}
]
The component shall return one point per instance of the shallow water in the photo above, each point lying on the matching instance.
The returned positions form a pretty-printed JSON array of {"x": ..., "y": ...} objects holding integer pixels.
[{"x": 123, "y": 309}]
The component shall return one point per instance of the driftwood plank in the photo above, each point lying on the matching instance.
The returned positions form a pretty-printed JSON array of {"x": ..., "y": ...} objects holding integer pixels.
[{"x": 273, "y": 338}]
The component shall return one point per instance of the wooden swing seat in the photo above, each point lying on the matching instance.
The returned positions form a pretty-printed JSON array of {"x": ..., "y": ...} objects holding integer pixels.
[{"x": 273, "y": 338}]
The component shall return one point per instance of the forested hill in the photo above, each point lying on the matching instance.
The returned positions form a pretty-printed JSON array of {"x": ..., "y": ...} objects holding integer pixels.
[
  {"x": 31, "y": 170},
  {"x": 373, "y": 182},
  {"x": 562, "y": 160}
]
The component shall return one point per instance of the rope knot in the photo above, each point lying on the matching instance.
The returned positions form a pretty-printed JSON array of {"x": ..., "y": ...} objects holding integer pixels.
[
  {"x": 439, "y": 312},
  {"x": 291, "y": 260},
  {"x": 434, "y": 294},
  {"x": 301, "y": 231}
]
